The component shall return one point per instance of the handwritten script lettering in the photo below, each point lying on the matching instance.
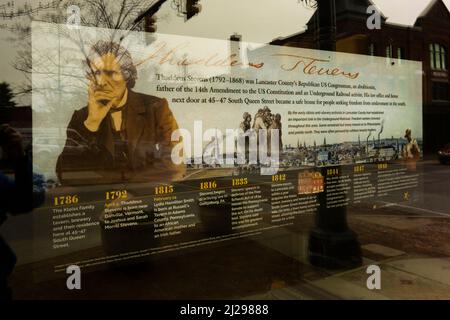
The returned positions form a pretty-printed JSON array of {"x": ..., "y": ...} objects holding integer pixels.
[
  {"x": 178, "y": 56},
  {"x": 165, "y": 55},
  {"x": 312, "y": 66}
]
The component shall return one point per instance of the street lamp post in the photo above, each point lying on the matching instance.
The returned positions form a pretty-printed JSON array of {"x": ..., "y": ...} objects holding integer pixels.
[
  {"x": 325, "y": 31},
  {"x": 332, "y": 244}
]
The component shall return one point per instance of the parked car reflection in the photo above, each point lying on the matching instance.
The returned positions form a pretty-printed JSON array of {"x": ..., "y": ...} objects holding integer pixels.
[{"x": 444, "y": 154}]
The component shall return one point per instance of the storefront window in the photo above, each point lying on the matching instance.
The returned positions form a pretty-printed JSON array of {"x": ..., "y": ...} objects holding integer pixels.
[{"x": 216, "y": 149}]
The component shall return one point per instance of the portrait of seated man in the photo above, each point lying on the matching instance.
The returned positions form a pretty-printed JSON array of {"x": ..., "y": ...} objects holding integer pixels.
[{"x": 120, "y": 135}]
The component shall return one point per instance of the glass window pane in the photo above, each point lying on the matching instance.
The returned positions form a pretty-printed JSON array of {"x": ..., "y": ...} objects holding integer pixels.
[
  {"x": 433, "y": 65},
  {"x": 221, "y": 138},
  {"x": 438, "y": 61},
  {"x": 444, "y": 60}
]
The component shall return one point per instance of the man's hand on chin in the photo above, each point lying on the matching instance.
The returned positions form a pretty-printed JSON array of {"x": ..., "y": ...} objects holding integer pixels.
[{"x": 99, "y": 104}]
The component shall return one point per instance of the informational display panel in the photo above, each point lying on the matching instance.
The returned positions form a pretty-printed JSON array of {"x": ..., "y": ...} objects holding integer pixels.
[{"x": 153, "y": 143}]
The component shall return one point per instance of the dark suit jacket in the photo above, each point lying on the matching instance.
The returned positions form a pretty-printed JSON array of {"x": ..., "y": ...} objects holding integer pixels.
[{"x": 88, "y": 157}]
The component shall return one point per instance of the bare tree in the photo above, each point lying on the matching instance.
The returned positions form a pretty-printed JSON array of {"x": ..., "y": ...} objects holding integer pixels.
[{"x": 115, "y": 15}]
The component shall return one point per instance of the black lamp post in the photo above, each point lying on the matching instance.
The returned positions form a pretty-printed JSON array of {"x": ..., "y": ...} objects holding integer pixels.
[{"x": 332, "y": 244}]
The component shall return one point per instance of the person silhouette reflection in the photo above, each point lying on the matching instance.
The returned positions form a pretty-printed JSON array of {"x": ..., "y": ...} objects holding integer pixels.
[{"x": 16, "y": 196}]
